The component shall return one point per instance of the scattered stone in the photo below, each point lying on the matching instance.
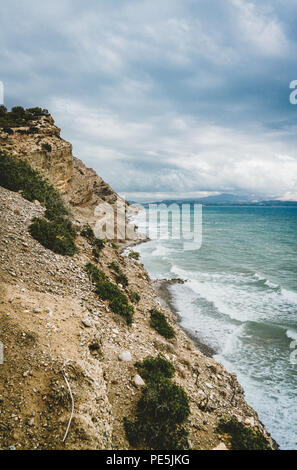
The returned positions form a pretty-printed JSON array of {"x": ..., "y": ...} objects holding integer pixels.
[
  {"x": 138, "y": 381},
  {"x": 250, "y": 421},
  {"x": 86, "y": 323},
  {"x": 125, "y": 356},
  {"x": 221, "y": 446}
]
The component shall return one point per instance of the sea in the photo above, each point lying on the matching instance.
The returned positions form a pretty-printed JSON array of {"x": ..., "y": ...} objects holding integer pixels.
[{"x": 239, "y": 298}]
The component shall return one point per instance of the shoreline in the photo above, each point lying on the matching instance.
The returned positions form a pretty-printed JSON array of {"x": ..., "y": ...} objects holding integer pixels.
[{"x": 166, "y": 299}]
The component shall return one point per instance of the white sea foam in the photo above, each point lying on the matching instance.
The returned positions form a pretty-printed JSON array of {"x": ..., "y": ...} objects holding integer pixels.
[
  {"x": 245, "y": 316},
  {"x": 161, "y": 251},
  {"x": 289, "y": 295},
  {"x": 292, "y": 334},
  {"x": 272, "y": 285}
]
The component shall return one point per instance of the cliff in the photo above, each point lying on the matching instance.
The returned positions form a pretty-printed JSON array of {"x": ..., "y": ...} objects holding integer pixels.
[
  {"x": 54, "y": 326},
  {"x": 47, "y": 152}
]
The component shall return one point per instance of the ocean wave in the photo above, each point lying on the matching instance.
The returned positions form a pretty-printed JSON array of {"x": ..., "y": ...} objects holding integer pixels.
[
  {"x": 271, "y": 285},
  {"x": 185, "y": 275},
  {"x": 266, "y": 282},
  {"x": 259, "y": 277},
  {"x": 292, "y": 334},
  {"x": 161, "y": 251},
  {"x": 289, "y": 295}
]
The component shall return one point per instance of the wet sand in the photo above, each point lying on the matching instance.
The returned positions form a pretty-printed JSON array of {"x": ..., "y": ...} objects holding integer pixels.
[{"x": 163, "y": 287}]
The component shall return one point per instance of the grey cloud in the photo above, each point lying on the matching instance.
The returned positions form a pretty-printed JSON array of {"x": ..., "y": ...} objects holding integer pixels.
[{"x": 177, "y": 96}]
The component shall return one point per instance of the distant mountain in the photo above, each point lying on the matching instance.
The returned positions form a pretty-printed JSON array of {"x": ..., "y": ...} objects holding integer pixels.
[{"x": 226, "y": 199}]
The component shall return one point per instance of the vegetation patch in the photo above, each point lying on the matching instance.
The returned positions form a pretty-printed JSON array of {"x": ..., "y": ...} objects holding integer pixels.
[
  {"x": 243, "y": 437},
  {"x": 114, "y": 267},
  {"x": 161, "y": 325},
  {"x": 46, "y": 147},
  {"x": 53, "y": 235},
  {"x": 134, "y": 255},
  {"x": 97, "y": 244},
  {"x": 56, "y": 233},
  {"x": 20, "y": 117},
  {"x": 18, "y": 175},
  {"x": 108, "y": 291},
  {"x": 154, "y": 369},
  {"x": 96, "y": 253},
  {"x": 134, "y": 297},
  {"x": 121, "y": 277},
  {"x": 88, "y": 233},
  {"x": 161, "y": 411}
]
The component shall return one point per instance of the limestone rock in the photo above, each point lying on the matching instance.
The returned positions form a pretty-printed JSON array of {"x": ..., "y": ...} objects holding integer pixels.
[
  {"x": 86, "y": 322},
  {"x": 125, "y": 356},
  {"x": 221, "y": 446},
  {"x": 138, "y": 381}
]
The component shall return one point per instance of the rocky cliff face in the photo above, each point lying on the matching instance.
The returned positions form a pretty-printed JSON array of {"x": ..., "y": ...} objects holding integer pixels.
[
  {"x": 47, "y": 152},
  {"x": 53, "y": 326}
]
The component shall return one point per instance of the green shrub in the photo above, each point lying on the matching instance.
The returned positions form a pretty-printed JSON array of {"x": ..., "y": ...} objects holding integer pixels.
[
  {"x": 99, "y": 244},
  {"x": 108, "y": 291},
  {"x": 46, "y": 147},
  {"x": 33, "y": 130},
  {"x": 114, "y": 267},
  {"x": 121, "y": 278},
  {"x": 18, "y": 111},
  {"x": 114, "y": 245},
  {"x": 96, "y": 253},
  {"x": 58, "y": 234},
  {"x": 20, "y": 117},
  {"x": 134, "y": 297},
  {"x": 161, "y": 325},
  {"x": 8, "y": 130},
  {"x": 134, "y": 255},
  {"x": 242, "y": 437},
  {"x": 3, "y": 110},
  {"x": 154, "y": 369},
  {"x": 165, "y": 401},
  {"x": 88, "y": 233},
  {"x": 161, "y": 411},
  {"x": 18, "y": 175},
  {"x": 53, "y": 235},
  {"x": 55, "y": 208}
]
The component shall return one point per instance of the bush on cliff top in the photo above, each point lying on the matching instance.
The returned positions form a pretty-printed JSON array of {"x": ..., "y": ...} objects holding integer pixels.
[
  {"x": 161, "y": 411},
  {"x": 108, "y": 291},
  {"x": 242, "y": 437},
  {"x": 161, "y": 325},
  {"x": 20, "y": 117}
]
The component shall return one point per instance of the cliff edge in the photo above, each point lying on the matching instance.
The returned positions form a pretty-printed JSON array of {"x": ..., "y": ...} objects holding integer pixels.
[{"x": 59, "y": 336}]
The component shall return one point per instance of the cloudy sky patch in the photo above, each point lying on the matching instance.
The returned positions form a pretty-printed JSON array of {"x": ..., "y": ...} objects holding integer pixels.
[{"x": 170, "y": 98}]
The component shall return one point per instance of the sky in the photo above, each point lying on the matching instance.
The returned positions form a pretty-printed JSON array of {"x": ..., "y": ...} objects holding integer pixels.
[{"x": 171, "y": 98}]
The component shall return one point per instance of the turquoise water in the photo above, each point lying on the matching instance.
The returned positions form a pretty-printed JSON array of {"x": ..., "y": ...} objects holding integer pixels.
[{"x": 241, "y": 299}]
